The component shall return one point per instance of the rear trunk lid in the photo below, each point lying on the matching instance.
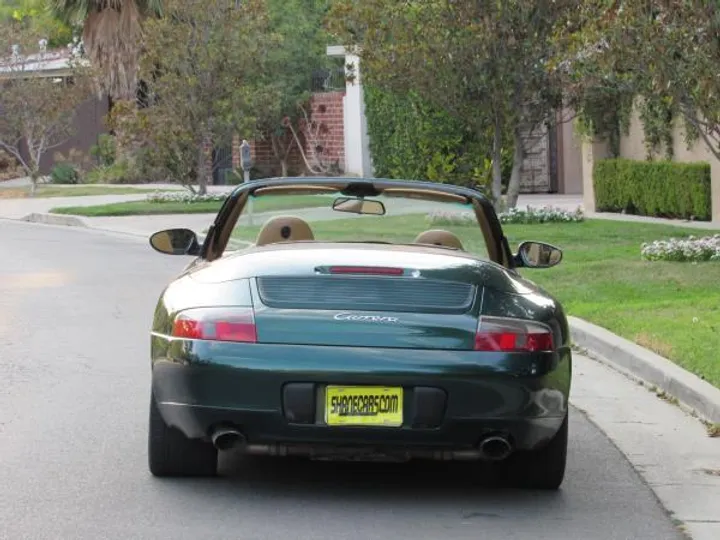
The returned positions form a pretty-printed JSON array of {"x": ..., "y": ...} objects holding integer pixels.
[
  {"x": 366, "y": 311},
  {"x": 362, "y": 296}
]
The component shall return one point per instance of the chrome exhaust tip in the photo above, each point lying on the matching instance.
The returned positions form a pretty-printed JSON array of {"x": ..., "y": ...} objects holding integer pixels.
[
  {"x": 495, "y": 448},
  {"x": 227, "y": 438}
]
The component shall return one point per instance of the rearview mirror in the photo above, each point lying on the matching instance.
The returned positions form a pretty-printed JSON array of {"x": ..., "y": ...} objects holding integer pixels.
[
  {"x": 359, "y": 206},
  {"x": 538, "y": 255},
  {"x": 175, "y": 242}
]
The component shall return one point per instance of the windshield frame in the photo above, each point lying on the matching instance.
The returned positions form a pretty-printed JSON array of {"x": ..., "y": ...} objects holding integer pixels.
[{"x": 219, "y": 233}]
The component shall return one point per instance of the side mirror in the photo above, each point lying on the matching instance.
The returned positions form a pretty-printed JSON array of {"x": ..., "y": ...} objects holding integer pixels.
[
  {"x": 175, "y": 242},
  {"x": 538, "y": 255}
]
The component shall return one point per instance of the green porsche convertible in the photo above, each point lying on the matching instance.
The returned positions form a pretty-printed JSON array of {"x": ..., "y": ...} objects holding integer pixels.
[{"x": 351, "y": 328}]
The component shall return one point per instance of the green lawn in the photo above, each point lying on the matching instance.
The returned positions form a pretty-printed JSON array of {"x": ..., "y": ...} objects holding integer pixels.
[
  {"x": 671, "y": 308},
  {"x": 46, "y": 191},
  {"x": 145, "y": 208}
]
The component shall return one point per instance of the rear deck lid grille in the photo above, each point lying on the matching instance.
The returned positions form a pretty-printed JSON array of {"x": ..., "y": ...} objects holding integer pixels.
[{"x": 366, "y": 293}]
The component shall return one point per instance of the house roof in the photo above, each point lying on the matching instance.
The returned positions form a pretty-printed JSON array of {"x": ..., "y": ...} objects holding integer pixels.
[{"x": 51, "y": 63}]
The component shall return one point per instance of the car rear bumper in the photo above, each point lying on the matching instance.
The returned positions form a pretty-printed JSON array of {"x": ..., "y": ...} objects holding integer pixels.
[{"x": 273, "y": 394}]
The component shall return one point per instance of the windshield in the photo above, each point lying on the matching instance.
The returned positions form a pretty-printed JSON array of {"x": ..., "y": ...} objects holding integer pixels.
[{"x": 330, "y": 218}]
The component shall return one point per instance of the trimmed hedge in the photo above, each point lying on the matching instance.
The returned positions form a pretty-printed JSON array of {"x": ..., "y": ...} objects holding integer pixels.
[{"x": 653, "y": 188}]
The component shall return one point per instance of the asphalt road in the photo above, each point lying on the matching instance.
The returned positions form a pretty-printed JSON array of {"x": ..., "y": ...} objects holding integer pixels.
[{"x": 75, "y": 307}]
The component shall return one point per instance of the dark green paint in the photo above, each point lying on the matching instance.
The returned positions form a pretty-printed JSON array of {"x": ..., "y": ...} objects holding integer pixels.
[{"x": 200, "y": 385}]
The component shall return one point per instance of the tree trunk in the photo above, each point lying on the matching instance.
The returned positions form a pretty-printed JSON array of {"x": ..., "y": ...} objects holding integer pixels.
[
  {"x": 497, "y": 165},
  {"x": 281, "y": 153},
  {"x": 202, "y": 160},
  {"x": 33, "y": 182},
  {"x": 513, "y": 191}
]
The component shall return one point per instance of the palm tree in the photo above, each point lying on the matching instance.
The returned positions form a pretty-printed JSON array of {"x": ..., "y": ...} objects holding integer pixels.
[{"x": 112, "y": 31}]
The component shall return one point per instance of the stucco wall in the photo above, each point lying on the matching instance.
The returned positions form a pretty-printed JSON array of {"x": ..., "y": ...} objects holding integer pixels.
[
  {"x": 632, "y": 145},
  {"x": 570, "y": 174}
]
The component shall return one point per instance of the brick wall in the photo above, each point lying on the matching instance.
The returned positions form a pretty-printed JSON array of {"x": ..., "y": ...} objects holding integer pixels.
[
  {"x": 326, "y": 127},
  {"x": 328, "y": 124}
]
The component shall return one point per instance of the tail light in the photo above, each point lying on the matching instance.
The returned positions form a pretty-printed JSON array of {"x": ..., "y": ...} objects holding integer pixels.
[
  {"x": 513, "y": 335},
  {"x": 216, "y": 324}
]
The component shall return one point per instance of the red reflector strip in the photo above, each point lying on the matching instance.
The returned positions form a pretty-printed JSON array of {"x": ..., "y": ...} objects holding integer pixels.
[
  {"x": 367, "y": 270},
  {"x": 235, "y": 331},
  {"x": 513, "y": 335},
  {"x": 509, "y": 342},
  {"x": 216, "y": 324}
]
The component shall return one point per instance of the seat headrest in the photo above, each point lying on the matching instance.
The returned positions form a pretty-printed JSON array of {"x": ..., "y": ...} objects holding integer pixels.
[
  {"x": 284, "y": 229},
  {"x": 439, "y": 237}
]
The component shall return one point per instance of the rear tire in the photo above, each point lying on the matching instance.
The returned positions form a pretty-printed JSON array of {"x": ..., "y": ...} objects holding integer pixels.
[
  {"x": 543, "y": 468},
  {"x": 170, "y": 453}
]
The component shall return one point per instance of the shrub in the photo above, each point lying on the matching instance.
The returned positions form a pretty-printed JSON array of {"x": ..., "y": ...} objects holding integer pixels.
[
  {"x": 233, "y": 177},
  {"x": 105, "y": 150},
  {"x": 64, "y": 173},
  {"x": 119, "y": 172},
  {"x": 410, "y": 139},
  {"x": 689, "y": 249},
  {"x": 76, "y": 160},
  {"x": 653, "y": 188},
  {"x": 514, "y": 215},
  {"x": 152, "y": 167},
  {"x": 9, "y": 166}
]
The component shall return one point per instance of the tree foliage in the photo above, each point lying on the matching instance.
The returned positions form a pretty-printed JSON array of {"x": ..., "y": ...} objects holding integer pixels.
[
  {"x": 35, "y": 16},
  {"x": 410, "y": 138},
  {"x": 36, "y": 113},
  {"x": 484, "y": 62},
  {"x": 663, "y": 51},
  {"x": 204, "y": 65},
  {"x": 301, "y": 51}
]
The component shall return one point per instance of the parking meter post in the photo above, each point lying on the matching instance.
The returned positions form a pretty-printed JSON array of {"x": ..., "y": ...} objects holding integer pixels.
[{"x": 246, "y": 164}]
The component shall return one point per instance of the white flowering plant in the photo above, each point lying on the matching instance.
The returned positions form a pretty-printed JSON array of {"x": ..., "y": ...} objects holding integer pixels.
[
  {"x": 547, "y": 214},
  {"x": 184, "y": 197},
  {"x": 457, "y": 219},
  {"x": 690, "y": 249}
]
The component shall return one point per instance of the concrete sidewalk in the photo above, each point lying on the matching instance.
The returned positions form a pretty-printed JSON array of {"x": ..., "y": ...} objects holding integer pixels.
[
  {"x": 145, "y": 225},
  {"x": 708, "y": 225},
  {"x": 19, "y": 208},
  {"x": 668, "y": 447}
]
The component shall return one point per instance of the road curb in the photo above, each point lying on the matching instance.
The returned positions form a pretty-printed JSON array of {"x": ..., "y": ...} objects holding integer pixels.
[
  {"x": 690, "y": 390},
  {"x": 75, "y": 221},
  {"x": 54, "y": 219}
]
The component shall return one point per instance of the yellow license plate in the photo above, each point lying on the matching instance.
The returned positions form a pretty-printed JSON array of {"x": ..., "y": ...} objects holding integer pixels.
[{"x": 363, "y": 406}]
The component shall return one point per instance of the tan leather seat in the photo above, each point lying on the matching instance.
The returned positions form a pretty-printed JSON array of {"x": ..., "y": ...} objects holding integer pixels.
[
  {"x": 284, "y": 229},
  {"x": 439, "y": 237}
]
